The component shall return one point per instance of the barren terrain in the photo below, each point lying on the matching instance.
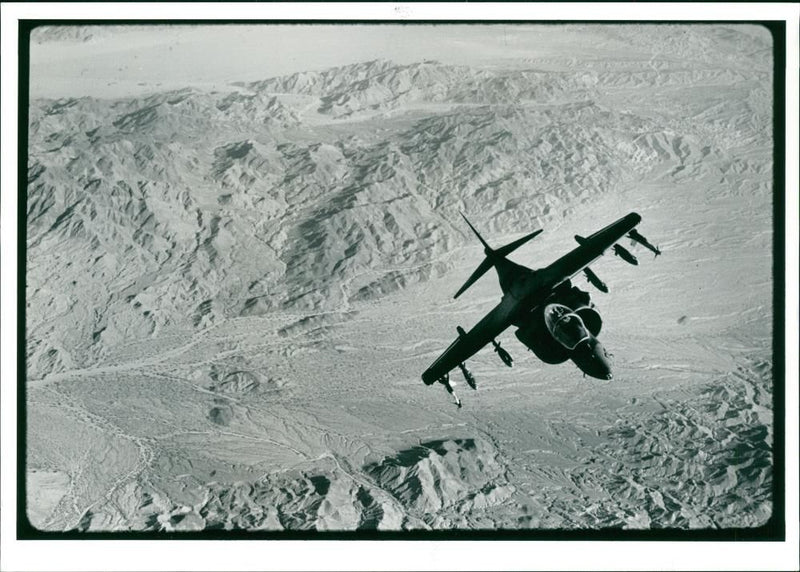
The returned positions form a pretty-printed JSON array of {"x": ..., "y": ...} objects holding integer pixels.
[{"x": 232, "y": 292}]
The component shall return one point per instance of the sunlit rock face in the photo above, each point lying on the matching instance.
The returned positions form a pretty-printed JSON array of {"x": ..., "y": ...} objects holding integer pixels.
[{"x": 231, "y": 293}]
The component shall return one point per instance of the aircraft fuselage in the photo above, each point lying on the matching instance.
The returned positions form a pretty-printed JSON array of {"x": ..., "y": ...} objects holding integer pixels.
[{"x": 589, "y": 355}]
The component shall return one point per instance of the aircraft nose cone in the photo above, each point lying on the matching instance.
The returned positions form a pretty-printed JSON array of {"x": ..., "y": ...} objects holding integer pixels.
[{"x": 590, "y": 356}]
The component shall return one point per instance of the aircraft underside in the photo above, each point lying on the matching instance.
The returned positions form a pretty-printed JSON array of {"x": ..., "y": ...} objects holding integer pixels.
[{"x": 565, "y": 327}]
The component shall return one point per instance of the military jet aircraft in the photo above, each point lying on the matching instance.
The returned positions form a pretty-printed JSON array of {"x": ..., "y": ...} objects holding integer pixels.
[{"x": 554, "y": 319}]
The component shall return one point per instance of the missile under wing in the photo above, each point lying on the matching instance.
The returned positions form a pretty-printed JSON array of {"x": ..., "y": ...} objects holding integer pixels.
[{"x": 638, "y": 237}]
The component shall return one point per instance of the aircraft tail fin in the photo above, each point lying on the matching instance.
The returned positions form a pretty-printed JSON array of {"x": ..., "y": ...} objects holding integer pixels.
[
  {"x": 491, "y": 255},
  {"x": 486, "y": 248}
]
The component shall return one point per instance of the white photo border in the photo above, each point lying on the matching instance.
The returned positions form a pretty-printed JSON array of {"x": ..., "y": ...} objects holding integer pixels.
[{"x": 384, "y": 555}]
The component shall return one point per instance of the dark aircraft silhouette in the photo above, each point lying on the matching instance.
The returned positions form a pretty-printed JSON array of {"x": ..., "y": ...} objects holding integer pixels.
[{"x": 554, "y": 319}]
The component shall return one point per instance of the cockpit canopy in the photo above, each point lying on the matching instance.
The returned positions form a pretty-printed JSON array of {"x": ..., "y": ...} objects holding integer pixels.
[{"x": 565, "y": 326}]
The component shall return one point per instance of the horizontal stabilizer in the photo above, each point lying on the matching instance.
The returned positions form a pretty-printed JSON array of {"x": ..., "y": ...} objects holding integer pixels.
[
  {"x": 480, "y": 271},
  {"x": 509, "y": 248}
]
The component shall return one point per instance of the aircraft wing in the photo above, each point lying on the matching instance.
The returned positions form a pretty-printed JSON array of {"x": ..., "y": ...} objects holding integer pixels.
[
  {"x": 468, "y": 344},
  {"x": 590, "y": 249}
]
